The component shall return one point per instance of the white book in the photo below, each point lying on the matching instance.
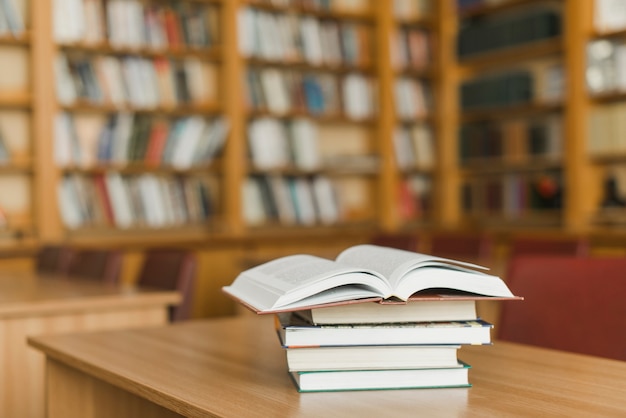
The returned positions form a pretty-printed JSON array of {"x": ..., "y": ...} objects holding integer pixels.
[
  {"x": 150, "y": 195},
  {"x": 195, "y": 73},
  {"x": 109, "y": 71},
  {"x": 166, "y": 201},
  {"x": 63, "y": 142},
  {"x": 275, "y": 91},
  {"x": 305, "y": 144},
  {"x": 4, "y": 30},
  {"x": 379, "y": 357},
  {"x": 13, "y": 16},
  {"x": 214, "y": 138},
  {"x": 267, "y": 138},
  {"x": 305, "y": 202},
  {"x": 357, "y": 97},
  {"x": 326, "y": 200},
  {"x": 282, "y": 197},
  {"x": 68, "y": 18},
  {"x": 121, "y": 137},
  {"x": 311, "y": 40},
  {"x": 115, "y": 12},
  {"x": 423, "y": 145},
  {"x": 94, "y": 21},
  {"x": 120, "y": 201},
  {"x": 609, "y": 15},
  {"x": 362, "y": 273},
  {"x": 150, "y": 85},
  {"x": 135, "y": 22},
  {"x": 187, "y": 145},
  {"x": 246, "y": 31},
  {"x": 88, "y": 128},
  {"x": 68, "y": 204},
  {"x": 65, "y": 88},
  {"x": 252, "y": 197},
  {"x": 405, "y": 155}
]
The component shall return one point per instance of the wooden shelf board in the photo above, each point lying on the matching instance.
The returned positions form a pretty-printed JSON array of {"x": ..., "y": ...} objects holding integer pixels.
[
  {"x": 302, "y": 65},
  {"x": 211, "y": 53},
  {"x": 138, "y": 168},
  {"x": 487, "y": 9},
  {"x": 509, "y": 56},
  {"x": 510, "y": 111},
  {"x": 179, "y": 110}
]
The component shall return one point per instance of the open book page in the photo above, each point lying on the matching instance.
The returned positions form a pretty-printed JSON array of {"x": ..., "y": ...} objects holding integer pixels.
[
  {"x": 298, "y": 277},
  {"x": 394, "y": 263}
]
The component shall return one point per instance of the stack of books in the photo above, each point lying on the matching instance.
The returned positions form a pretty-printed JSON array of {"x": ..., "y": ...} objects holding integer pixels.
[{"x": 374, "y": 318}]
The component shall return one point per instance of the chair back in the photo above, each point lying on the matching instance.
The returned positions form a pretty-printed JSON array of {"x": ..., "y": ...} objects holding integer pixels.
[
  {"x": 527, "y": 245},
  {"x": 402, "y": 241},
  {"x": 52, "y": 259},
  {"x": 462, "y": 245},
  {"x": 97, "y": 264},
  {"x": 570, "y": 303},
  {"x": 171, "y": 269}
]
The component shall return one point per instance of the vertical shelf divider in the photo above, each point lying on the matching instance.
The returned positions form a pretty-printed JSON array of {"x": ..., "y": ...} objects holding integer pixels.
[
  {"x": 388, "y": 179},
  {"x": 46, "y": 175}
]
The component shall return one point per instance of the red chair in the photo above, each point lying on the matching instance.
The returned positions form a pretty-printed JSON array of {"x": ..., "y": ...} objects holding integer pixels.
[
  {"x": 171, "y": 269},
  {"x": 570, "y": 303},
  {"x": 52, "y": 259},
  {"x": 462, "y": 245},
  {"x": 403, "y": 241},
  {"x": 103, "y": 265},
  {"x": 528, "y": 245}
]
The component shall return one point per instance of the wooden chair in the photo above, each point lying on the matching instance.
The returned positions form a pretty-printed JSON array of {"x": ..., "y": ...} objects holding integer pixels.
[
  {"x": 403, "y": 241},
  {"x": 570, "y": 303},
  {"x": 97, "y": 264},
  {"x": 171, "y": 269},
  {"x": 462, "y": 245},
  {"x": 52, "y": 259},
  {"x": 529, "y": 245}
]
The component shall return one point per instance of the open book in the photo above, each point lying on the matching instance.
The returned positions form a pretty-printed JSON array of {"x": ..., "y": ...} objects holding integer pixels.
[{"x": 360, "y": 273}]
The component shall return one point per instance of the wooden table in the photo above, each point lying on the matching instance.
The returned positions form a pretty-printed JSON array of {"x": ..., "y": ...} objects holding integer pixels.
[
  {"x": 34, "y": 305},
  {"x": 236, "y": 368}
]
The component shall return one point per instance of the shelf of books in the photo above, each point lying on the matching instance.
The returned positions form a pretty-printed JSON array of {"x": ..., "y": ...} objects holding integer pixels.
[
  {"x": 139, "y": 127},
  {"x": 413, "y": 58},
  {"x": 510, "y": 139},
  {"x": 605, "y": 84},
  {"x": 18, "y": 225},
  {"x": 311, "y": 100}
]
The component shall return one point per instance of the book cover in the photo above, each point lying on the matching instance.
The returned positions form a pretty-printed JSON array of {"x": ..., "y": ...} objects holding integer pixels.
[
  {"x": 360, "y": 272},
  {"x": 381, "y": 379},
  {"x": 376, "y": 357},
  {"x": 296, "y": 332}
]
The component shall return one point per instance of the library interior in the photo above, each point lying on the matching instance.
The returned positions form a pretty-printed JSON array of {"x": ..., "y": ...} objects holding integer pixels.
[{"x": 153, "y": 151}]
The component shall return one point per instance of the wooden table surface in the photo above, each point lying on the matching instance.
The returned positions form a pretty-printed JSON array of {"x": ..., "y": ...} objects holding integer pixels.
[
  {"x": 32, "y": 304},
  {"x": 235, "y": 367}
]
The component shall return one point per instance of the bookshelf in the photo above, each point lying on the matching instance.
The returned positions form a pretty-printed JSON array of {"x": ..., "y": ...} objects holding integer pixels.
[
  {"x": 604, "y": 37},
  {"x": 511, "y": 143},
  {"x": 18, "y": 223},
  {"x": 411, "y": 153},
  {"x": 139, "y": 127},
  {"x": 415, "y": 90},
  {"x": 311, "y": 92}
]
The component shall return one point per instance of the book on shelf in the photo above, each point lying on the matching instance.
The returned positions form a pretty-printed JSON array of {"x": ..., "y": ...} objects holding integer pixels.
[
  {"x": 293, "y": 331},
  {"x": 375, "y": 357},
  {"x": 12, "y": 14},
  {"x": 5, "y": 156},
  {"x": 359, "y": 273},
  {"x": 609, "y": 15},
  {"x": 316, "y": 381}
]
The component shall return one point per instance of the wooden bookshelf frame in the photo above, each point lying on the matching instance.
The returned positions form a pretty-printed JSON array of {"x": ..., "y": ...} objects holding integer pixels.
[{"x": 445, "y": 72}]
